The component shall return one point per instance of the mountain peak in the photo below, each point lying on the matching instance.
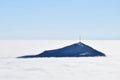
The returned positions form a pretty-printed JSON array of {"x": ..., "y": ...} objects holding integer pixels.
[{"x": 75, "y": 50}]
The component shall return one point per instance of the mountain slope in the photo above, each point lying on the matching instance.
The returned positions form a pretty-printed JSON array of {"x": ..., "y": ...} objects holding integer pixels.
[{"x": 75, "y": 50}]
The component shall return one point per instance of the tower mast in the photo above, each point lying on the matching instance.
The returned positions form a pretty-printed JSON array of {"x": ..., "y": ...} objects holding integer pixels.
[{"x": 79, "y": 39}]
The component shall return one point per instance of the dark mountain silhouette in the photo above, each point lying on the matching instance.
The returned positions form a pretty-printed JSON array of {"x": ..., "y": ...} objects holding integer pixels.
[{"x": 75, "y": 50}]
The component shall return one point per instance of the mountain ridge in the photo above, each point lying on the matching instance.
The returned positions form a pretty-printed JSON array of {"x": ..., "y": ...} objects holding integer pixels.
[{"x": 75, "y": 50}]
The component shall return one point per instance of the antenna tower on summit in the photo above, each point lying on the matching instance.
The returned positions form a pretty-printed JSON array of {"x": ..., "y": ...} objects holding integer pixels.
[{"x": 79, "y": 39}]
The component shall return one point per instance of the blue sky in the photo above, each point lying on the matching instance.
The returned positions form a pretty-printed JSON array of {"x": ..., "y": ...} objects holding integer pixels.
[{"x": 59, "y": 19}]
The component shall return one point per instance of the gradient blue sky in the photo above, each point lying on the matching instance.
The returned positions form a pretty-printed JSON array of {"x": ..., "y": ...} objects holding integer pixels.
[{"x": 59, "y": 19}]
